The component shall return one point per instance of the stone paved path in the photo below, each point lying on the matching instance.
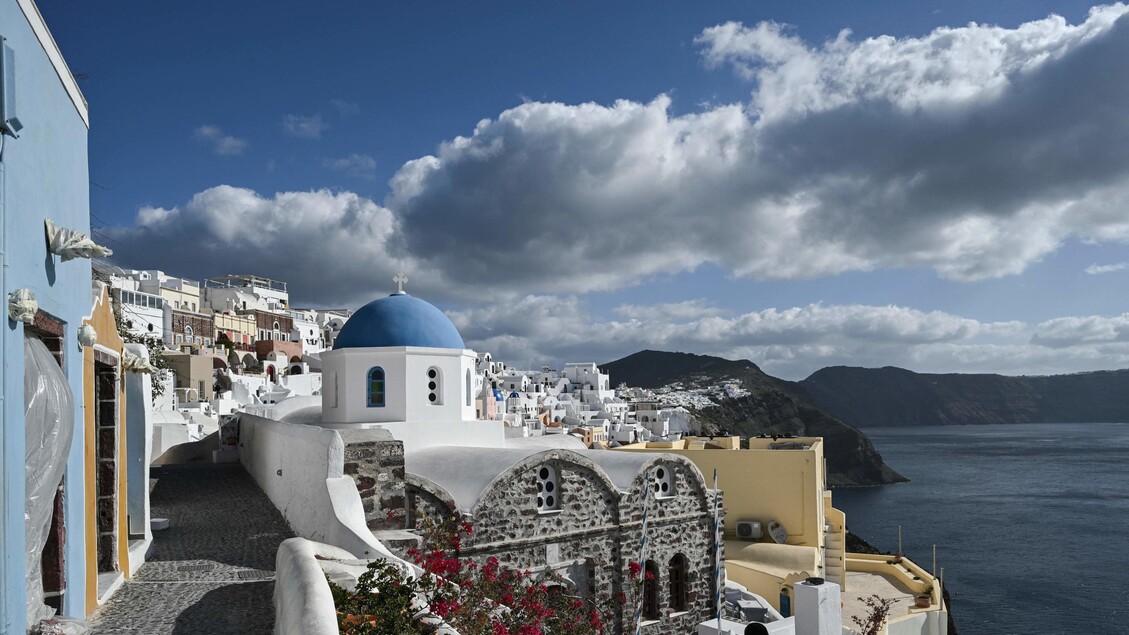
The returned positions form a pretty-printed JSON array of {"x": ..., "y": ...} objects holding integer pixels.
[{"x": 212, "y": 570}]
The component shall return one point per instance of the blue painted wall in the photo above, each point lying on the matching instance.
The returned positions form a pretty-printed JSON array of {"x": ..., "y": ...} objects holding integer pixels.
[{"x": 43, "y": 174}]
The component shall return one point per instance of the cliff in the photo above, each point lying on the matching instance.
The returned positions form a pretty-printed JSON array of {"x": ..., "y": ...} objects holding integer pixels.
[
  {"x": 873, "y": 397},
  {"x": 734, "y": 396}
]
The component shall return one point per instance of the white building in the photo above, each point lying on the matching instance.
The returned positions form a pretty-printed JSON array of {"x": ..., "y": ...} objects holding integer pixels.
[
  {"x": 179, "y": 293},
  {"x": 246, "y": 293},
  {"x": 307, "y": 331}
]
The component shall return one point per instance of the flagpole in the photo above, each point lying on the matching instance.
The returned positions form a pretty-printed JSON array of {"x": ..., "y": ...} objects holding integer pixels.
[
  {"x": 647, "y": 485},
  {"x": 717, "y": 549}
]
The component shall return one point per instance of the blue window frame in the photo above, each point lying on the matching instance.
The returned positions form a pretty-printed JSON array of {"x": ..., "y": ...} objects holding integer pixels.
[{"x": 376, "y": 387}]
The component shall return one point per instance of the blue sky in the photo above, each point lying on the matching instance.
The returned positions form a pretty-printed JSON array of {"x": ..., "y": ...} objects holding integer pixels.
[{"x": 731, "y": 178}]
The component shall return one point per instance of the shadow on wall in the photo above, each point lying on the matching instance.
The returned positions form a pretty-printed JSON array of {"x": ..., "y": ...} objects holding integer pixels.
[
  {"x": 237, "y": 609},
  {"x": 194, "y": 452}
]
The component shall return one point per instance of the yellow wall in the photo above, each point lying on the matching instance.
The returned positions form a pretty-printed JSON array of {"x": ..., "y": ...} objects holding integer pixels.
[
  {"x": 909, "y": 573},
  {"x": 103, "y": 322},
  {"x": 237, "y": 325},
  {"x": 763, "y": 484},
  {"x": 183, "y": 300}
]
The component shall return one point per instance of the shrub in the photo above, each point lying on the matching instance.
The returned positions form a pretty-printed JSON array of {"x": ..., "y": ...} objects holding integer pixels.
[
  {"x": 874, "y": 621},
  {"x": 475, "y": 598}
]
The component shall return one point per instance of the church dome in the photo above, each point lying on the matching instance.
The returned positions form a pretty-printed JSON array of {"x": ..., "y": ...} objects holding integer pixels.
[{"x": 398, "y": 320}]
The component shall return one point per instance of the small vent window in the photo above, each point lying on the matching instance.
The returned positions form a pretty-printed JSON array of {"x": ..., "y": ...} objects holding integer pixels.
[
  {"x": 662, "y": 482},
  {"x": 434, "y": 386},
  {"x": 548, "y": 493}
]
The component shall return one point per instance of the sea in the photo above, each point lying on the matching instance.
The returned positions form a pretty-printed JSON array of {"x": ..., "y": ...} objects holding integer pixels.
[{"x": 1030, "y": 521}]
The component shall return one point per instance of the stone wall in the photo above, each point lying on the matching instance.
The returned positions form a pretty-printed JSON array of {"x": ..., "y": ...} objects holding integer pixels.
[
  {"x": 376, "y": 462},
  {"x": 202, "y": 326},
  {"x": 594, "y": 536}
]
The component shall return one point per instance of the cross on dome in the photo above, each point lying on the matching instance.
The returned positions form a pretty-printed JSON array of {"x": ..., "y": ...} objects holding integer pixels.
[{"x": 400, "y": 279}]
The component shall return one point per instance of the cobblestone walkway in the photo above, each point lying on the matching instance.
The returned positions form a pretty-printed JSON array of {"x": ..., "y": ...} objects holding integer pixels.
[{"x": 212, "y": 570}]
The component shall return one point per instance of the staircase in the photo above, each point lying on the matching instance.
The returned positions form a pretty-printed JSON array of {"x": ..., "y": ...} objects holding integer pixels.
[
  {"x": 834, "y": 556},
  {"x": 834, "y": 544}
]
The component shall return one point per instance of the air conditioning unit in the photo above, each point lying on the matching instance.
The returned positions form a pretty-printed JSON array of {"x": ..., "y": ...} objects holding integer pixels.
[{"x": 749, "y": 530}]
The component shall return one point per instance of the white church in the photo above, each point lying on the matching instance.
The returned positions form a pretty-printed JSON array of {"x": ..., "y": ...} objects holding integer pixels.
[
  {"x": 400, "y": 382},
  {"x": 400, "y": 364}
]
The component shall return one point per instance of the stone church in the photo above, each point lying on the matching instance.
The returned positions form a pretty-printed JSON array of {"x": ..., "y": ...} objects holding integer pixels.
[{"x": 400, "y": 364}]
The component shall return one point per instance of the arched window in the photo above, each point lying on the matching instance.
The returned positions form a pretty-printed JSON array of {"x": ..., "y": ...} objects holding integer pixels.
[
  {"x": 677, "y": 570},
  {"x": 651, "y": 590},
  {"x": 434, "y": 386},
  {"x": 469, "y": 388},
  {"x": 376, "y": 387}
]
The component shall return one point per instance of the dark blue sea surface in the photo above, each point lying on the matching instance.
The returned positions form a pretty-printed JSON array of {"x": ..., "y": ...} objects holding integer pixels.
[{"x": 1031, "y": 521}]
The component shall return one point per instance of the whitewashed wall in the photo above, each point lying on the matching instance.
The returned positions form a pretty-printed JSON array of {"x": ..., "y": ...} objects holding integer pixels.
[{"x": 300, "y": 468}]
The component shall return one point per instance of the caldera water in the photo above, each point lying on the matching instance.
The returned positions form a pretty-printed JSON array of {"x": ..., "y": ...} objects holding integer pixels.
[{"x": 1031, "y": 521}]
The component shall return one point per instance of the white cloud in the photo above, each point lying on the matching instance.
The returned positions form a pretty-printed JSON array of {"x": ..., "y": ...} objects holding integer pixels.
[
  {"x": 688, "y": 309},
  {"x": 342, "y": 249},
  {"x": 345, "y": 108},
  {"x": 1096, "y": 269},
  {"x": 332, "y": 247},
  {"x": 222, "y": 144},
  {"x": 974, "y": 151},
  {"x": 358, "y": 165},
  {"x": 304, "y": 127},
  {"x": 1078, "y": 331},
  {"x": 948, "y": 69},
  {"x": 791, "y": 342}
]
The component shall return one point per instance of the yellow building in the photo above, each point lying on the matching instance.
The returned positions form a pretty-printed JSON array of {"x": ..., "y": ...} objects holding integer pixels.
[
  {"x": 240, "y": 329},
  {"x": 775, "y": 481},
  {"x": 107, "y": 532},
  {"x": 779, "y": 481}
]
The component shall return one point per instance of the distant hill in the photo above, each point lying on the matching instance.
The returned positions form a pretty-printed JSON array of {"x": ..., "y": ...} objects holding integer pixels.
[
  {"x": 756, "y": 404},
  {"x": 872, "y": 397}
]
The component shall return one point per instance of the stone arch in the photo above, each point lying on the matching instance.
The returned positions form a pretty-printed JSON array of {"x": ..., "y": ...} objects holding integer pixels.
[
  {"x": 533, "y": 461},
  {"x": 427, "y": 498},
  {"x": 681, "y": 464}
]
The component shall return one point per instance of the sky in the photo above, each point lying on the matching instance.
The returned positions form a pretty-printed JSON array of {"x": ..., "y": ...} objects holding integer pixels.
[{"x": 938, "y": 186}]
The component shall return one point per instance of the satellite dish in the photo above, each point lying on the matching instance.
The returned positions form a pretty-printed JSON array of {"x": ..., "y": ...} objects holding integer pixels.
[{"x": 777, "y": 532}]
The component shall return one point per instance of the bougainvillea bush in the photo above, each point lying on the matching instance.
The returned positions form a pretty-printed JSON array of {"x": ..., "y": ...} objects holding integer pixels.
[{"x": 474, "y": 598}]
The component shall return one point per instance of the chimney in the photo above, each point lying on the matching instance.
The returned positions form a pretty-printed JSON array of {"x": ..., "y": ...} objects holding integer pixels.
[{"x": 817, "y": 607}]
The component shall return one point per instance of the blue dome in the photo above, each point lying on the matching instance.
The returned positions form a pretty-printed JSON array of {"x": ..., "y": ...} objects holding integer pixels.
[{"x": 398, "y": 320}]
